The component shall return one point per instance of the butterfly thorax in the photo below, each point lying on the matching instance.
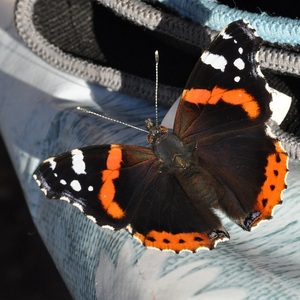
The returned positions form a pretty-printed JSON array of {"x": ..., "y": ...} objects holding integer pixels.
[{"x": 168, "y": 148}]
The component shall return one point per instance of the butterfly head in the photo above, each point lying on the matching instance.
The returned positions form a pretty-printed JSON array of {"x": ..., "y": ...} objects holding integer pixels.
[{"x": 155, "y": 132}]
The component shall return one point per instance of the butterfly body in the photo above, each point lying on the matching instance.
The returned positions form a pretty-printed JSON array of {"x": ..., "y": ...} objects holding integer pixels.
[
  {"x": 219, "y": 155},
  {"x": 180, "y": 160}
]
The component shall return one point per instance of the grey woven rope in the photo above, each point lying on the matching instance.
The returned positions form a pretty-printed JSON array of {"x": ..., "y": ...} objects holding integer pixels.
[
  {"x": 141, "y": 14},
  {"x": 290, "y": 143},
  {"x": 145, "y": 15}
]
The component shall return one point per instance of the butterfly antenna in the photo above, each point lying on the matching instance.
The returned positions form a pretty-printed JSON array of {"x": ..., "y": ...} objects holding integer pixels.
[
  {"x": 156, "y": 86},
  {"x": 110, "y": 119}
]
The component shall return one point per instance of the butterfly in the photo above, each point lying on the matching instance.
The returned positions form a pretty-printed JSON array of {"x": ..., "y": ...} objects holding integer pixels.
[{"x": 219, "y": 156}]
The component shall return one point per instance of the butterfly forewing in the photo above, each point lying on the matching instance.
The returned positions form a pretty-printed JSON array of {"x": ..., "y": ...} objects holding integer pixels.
[{"x": 90, "y": 178}]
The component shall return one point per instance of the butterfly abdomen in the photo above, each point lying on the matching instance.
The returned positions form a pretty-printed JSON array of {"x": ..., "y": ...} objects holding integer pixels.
[{"x": 180, "y": 161}]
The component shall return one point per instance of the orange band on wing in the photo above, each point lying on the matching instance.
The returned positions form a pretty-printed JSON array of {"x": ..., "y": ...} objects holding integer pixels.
[
  {"x": 235, "y": 97},
  {"x": 114, "y": 158},
  {"x": 177, "y": 242},
  {"x": 196, "y": 96},
  {"x": 270, "y": 194},
  {"x": 107, "y": 191}
]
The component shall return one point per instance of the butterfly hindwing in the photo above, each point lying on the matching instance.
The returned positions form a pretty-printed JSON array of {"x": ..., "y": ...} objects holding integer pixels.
[{"x": 166, "y": 219}]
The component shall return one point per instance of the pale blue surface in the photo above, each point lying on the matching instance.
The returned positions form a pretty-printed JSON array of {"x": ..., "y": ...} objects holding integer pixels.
[
  {"x": 38, "y": 120},
  {"x": 215, "y": 15}
]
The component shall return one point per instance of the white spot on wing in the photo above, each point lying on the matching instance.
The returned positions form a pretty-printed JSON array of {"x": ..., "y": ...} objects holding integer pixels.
[
  {"x": 44, "y": 191},
  {"x": 78, "y": 163},
  {"x": 225, "y": 35},
  {"x": 63, "y": 182},
  {"x": 108, "y": 227},
  {"x": 78, "y": 206},
  {"x": 237, "y": 78},
  {"x": 241, "y": 50},
  {"x": 51, "y": 162},
  {"x": 64, "y": 198},
  {"x": 91, "y": 218},
  {"x": 239, "y": 63},
  {"x": 216, "y": 61},
  {"x": 220, "y": 241},
  {"x": 90, "y": 188},
  {"x": 165, "y": 250},
  {"x": 75, "y": 185},
  {"x": 37, "y": 180},
  {"x": 129, "y": 228},
  {"x": 142, "y": 242}
]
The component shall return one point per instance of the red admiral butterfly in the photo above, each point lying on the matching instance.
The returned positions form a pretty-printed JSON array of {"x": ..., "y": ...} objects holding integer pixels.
[{"x": 219, "y": 156}]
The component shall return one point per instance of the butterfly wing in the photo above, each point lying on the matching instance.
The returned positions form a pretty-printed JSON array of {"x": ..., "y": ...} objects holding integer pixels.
[
  {"x": 223, "y": 113},
  {"x": 166, "y": 219},
  {"x": 122, "y": 186},
  {"x": 90, "y": 179}
]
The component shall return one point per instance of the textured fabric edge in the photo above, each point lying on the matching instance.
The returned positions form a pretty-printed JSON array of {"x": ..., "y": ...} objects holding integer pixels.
[
  {"x": 119, "y": 81},
  {"x": 105, "y": 76},
  {"x": 278, "y": 60},
  {"x": 281, "y": 30},
  {"x": 290, "y": 143},
  {"x": 140, "y": 14},
  {"x": 145, "y": 15}
]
